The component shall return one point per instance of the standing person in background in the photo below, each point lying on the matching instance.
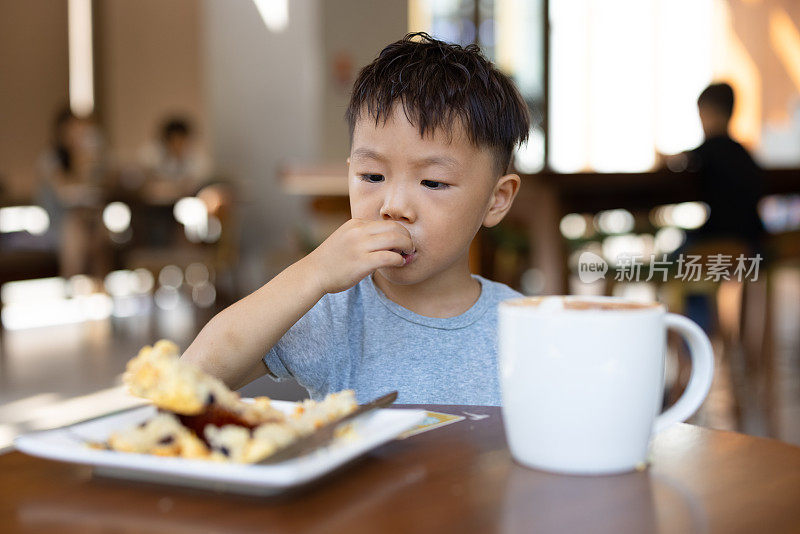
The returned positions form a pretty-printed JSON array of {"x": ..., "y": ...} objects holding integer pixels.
[
  {"x": 730, "y": 180},
  {"x": 71, "y": 190},
  {"x": 730, "y": 183}
]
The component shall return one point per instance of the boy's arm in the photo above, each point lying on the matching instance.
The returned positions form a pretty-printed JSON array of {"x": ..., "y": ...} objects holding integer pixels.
[
  {"x": 232, "y": 344},
  {"x": 259, "y": 370}
]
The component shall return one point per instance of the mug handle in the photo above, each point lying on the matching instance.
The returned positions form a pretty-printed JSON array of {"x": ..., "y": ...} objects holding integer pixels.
[{"x": 702, "y": 372}]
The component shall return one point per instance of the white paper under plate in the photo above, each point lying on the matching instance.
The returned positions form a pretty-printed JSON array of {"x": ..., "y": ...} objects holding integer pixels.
[{"x": 68, "y": 444}]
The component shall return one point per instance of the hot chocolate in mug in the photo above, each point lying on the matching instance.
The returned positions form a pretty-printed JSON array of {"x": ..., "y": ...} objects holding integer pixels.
[{"x": 582, "y": 380}]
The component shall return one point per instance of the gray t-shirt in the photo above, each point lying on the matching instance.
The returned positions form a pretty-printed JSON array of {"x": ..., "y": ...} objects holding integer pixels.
[{"x": 359, "y": 339}]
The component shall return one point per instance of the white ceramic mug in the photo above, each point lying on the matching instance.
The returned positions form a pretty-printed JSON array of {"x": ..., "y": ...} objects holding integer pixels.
[{"x": 582, "y": 380}]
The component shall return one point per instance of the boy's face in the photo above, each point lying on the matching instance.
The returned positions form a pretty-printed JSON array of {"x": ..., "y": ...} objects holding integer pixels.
[{"x": 439, "y": 191}]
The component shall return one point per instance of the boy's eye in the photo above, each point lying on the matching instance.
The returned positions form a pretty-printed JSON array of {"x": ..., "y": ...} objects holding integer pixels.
[
  {"x": 372, "y": 178},
  {"x": 432, "y": 184}
]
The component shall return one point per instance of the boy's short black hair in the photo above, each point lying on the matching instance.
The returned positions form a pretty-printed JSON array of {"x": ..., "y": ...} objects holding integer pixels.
[
  {"x": 439, "y": 83},
  {"x": 718, "y": 96}
]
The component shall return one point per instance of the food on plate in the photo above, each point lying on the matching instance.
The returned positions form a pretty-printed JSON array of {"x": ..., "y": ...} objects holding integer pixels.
[
  {"x": 199, "y": 417},
  {"x": 158, "y": 374},
  {"x": 163, "y": 435}
]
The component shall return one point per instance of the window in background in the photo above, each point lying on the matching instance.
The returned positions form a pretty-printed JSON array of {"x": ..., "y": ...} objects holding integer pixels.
[
  {"x": 624, "y": 76},
  {"x": 510, "y": 33},
  {"x": 454, "y": 21},
  {"x": 519, "y": 50}
]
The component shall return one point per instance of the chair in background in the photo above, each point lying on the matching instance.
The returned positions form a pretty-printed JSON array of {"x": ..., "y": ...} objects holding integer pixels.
[
  {"x": 218, "y": 250},
  {"x": 737, "y": 315}
]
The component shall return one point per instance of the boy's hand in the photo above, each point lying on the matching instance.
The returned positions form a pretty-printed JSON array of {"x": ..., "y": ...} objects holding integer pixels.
[{"x": 356, "y": 249}]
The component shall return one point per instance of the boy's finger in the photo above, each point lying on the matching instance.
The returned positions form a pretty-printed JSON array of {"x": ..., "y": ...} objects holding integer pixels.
[
  {"x": 379, "y": 227},
  {"x": 387, "y": 258},
  {"x": 390, "y": 241}
]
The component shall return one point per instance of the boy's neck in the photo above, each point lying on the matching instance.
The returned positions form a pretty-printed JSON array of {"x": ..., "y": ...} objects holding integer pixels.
[{"x": 447, "y": 294}]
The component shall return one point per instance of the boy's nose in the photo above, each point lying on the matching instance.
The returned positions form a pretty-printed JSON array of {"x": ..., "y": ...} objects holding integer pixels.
[{"x": 396, "y": 207}]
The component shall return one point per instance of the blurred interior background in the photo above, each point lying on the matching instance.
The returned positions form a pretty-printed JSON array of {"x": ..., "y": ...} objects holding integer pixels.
[{"x": 159, "y": 160}]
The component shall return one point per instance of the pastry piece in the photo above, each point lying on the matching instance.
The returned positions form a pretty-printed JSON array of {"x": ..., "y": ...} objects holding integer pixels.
[
  {"x": 158, "y": 374},
  {"x": 199, "y": 417},
  {"x": 309, "y": 415},
  {"x": 228, "y": 443},
  {"x": 239, "y": 444},
  {"x": 163, "y": 435}
]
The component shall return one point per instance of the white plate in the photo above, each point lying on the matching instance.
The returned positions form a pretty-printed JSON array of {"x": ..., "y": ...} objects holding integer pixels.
[{"x": 68, "y": 444}]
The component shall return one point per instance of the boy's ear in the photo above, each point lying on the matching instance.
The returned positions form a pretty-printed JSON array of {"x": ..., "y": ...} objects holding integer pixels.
[{"x": 501, "y": 199}]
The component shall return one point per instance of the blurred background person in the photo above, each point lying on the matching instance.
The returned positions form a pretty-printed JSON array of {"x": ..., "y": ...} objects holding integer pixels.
[
  {"x": 731, "y": 182},
  {"x": 71, "y": 190},
  {"x": 175, "y": 167},
  {"x": 175, "y": 164}
]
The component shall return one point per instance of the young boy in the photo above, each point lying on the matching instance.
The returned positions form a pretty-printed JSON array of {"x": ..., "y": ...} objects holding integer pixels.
[{"x": 387, "y": 302}]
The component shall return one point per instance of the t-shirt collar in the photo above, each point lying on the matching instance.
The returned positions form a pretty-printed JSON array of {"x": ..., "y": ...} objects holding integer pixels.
[{"x": 446, "y": 323}]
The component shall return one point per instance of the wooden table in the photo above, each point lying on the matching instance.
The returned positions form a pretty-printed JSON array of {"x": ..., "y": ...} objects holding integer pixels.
[{"x": 458, "y": 478}]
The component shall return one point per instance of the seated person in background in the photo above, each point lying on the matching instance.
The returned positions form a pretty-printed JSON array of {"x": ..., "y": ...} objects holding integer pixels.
[
  {"x": 71, "y": 180},
  {"x": 387, "y": 302},
  {"x": 730, "y": 180},
  {"x": 175, "y": 166}
]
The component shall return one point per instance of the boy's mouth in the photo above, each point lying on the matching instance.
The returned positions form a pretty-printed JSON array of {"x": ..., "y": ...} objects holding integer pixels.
[{"x": 407, "y": 256}]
